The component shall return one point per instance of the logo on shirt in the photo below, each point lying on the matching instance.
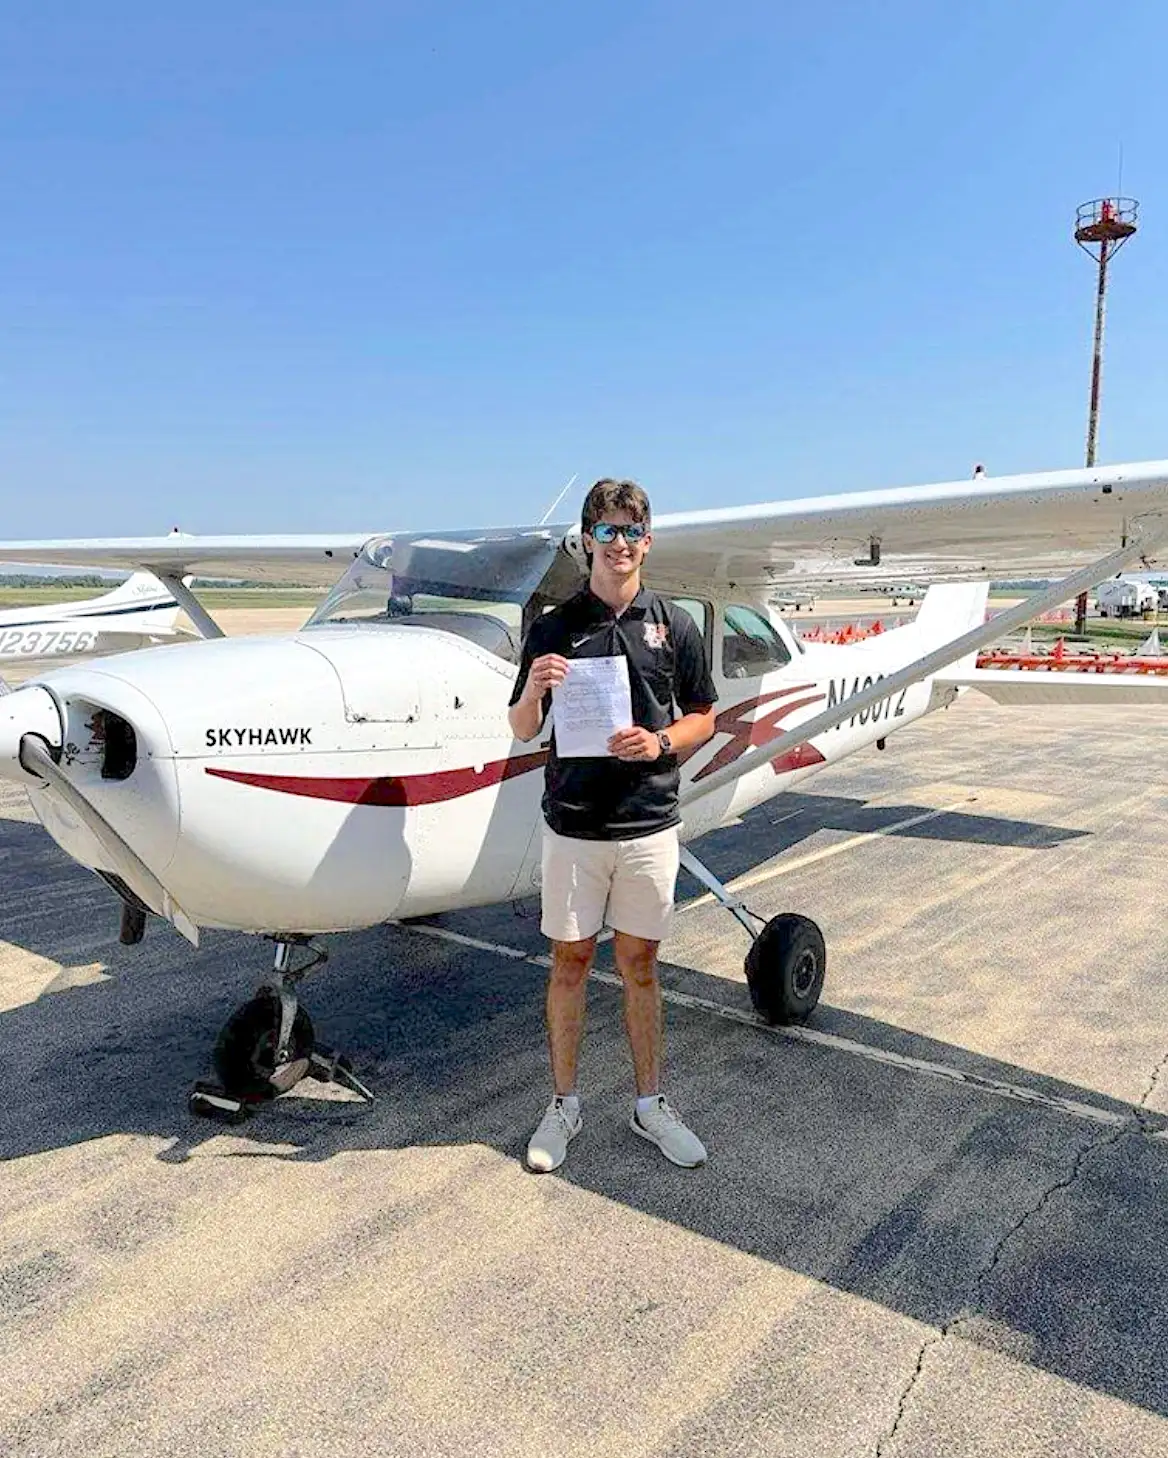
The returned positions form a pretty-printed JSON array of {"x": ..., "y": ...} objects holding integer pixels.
[{"x": 656, "y": 635}]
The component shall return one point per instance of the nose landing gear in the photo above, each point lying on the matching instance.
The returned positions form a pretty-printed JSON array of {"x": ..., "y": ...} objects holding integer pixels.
[{"x": 268, "y": 1045}]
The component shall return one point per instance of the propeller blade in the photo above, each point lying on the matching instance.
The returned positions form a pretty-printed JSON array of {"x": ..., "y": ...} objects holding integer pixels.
[{"x": 36, "y": 759}]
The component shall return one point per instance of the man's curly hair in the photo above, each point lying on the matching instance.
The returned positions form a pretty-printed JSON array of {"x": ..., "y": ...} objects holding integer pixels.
[{"x": 609, "y": 495}]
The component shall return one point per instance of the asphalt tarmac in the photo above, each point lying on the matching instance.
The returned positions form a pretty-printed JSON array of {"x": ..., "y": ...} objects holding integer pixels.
[{"x": 933, "y": 1224}]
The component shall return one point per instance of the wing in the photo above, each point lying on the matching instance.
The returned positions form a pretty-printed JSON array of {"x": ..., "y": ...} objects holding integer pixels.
[
  {"x": 1011, "y": 527},
  {"x": 311, "y": 560},
  {"x": 1014, "y": 526}
]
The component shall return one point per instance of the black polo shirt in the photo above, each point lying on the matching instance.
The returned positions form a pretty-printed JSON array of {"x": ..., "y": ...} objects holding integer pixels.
[{"x": 609, "y": 798}]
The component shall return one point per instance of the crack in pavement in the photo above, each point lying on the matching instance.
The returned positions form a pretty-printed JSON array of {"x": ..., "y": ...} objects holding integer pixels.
[
  {"x": 1141, "y": 1109},
  {"x": 1136, "y": 1126},
  {"x": 902, "y": 1401}
]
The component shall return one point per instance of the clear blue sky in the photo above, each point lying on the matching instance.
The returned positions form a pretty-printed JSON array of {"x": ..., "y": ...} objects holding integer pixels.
[{"x": 301, "y": 266}]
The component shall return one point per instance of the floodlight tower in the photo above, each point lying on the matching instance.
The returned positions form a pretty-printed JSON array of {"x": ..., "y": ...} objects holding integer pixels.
[{"x": 1102, "y": 227}]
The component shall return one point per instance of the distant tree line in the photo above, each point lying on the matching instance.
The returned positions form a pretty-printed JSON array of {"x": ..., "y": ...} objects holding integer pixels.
[{"x": 32, "y": 579}]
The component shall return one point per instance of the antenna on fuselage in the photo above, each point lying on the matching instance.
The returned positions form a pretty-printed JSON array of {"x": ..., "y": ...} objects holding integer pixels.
[{"x": 559, "y": 498}]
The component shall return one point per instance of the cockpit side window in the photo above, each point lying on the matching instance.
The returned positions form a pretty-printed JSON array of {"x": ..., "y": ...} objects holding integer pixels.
[
  {"x": 699, "y": 611},
  {"x": 750, "y": 645}
]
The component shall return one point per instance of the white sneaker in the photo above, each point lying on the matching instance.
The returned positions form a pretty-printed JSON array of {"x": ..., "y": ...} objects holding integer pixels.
[
  {"x": 662, "y": 1127},
  {"x": 548, "y": 1146}
]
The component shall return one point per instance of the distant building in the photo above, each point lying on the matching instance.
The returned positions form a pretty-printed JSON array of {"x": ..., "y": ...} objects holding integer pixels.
[{"x": 1125, "y": 597}]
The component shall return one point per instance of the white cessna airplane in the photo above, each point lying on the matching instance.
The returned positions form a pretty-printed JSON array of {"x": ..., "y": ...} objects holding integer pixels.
[
  {"x": 362, "y": 769},
  {"x": 134, "y": 614}
]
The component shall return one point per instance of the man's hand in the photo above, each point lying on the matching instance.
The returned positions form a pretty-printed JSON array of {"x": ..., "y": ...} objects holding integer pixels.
[
  {"x": 635, "y": 744},
  {"x": 545, "y": 673}
]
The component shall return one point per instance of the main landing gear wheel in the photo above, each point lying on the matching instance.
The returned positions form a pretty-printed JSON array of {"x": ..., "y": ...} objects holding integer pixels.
[
  {"x": 785, "y": 968},
  {"x": 787, "y": 958}
]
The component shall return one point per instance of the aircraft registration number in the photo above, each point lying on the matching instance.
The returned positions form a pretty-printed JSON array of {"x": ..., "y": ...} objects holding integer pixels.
[
  {"x": 890, "y": 708},
  {"x": 45, "y": 641}
]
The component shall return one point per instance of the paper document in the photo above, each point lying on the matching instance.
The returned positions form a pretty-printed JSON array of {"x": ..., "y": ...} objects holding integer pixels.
[{"x": 591, "y": 704}]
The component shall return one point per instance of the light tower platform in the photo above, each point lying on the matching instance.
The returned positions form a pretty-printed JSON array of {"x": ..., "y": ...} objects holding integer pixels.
[{"x": 1106, "y": 220}]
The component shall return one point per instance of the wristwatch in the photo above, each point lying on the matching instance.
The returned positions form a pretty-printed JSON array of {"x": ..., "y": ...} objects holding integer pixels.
[{"x": 665, "y": 742}]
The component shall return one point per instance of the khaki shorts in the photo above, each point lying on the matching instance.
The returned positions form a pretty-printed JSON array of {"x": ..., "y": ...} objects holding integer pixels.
[{"x": 627, "y": 884}]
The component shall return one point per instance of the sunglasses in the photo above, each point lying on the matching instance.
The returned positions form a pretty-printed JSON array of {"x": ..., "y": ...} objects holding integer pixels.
[{"x": 607, "y": 531}]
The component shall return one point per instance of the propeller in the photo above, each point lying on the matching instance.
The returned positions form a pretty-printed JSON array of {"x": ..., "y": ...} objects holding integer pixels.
[{"x": 36, "y": 758}]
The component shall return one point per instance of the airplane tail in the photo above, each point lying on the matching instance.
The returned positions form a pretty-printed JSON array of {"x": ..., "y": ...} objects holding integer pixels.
[
  {"x": 947, "y": 611},
  {"x": 142, "y": 592},
  {"x": 950, "y": 609},
  {"x": 137, "y": 585}
]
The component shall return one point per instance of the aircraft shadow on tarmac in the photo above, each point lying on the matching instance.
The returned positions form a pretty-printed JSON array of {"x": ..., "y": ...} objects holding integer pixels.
[
  {"x": 1041, "y": 1233},
  {"x": 782, "y": 824}
]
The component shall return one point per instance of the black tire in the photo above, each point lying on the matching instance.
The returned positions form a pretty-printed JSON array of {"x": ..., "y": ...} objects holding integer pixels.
[
  {"x": 245, "y": 1051},
  {"x": 785, "y": 969}
]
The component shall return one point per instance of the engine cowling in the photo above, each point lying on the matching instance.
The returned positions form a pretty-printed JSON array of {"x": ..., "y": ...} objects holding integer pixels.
[
  {"x": 28, "y": 710},
  {"x": 315, "y": 783}
]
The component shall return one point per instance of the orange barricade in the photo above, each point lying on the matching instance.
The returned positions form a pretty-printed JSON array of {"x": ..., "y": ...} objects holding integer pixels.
[{"x": 1065, "y": 662}]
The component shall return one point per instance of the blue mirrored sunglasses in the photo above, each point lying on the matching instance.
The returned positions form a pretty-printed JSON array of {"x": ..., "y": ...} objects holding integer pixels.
[{"x": 607, "y": 531}]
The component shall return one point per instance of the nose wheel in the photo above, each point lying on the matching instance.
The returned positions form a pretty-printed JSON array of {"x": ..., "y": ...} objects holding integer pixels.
[
  {"x": 252, "y": 1060},
  {"x": 267, "y": 1046}
]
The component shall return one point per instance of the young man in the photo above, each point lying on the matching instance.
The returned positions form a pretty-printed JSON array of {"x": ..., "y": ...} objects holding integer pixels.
[{"x": 610, "y": 850}]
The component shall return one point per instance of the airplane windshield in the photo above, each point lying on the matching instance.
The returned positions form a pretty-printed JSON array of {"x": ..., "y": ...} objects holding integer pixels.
[{"x": 477, "y": 587}]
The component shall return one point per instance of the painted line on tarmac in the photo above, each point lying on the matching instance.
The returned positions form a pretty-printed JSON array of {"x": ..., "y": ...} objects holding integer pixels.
[
  {"x": 813, "y": 1036},
  {"x": 772, "y": 873}
]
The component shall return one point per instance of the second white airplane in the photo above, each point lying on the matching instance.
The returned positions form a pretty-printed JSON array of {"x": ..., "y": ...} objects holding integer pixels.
[{"x": 136, "y": 613}]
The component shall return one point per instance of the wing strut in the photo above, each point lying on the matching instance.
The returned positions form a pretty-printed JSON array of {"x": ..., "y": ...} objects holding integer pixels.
[
  {"x": 719, "y": 892},
  {"x": 204, "y": 623},
  {"x": 980, "y": 637}
]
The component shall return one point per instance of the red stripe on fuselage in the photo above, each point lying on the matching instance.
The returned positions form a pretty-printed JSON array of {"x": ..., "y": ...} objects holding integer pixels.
[
  {"x": 451, "y": 784},
  {"x": 746, "y": 733},
  {"x": 425, "y": 789}
]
